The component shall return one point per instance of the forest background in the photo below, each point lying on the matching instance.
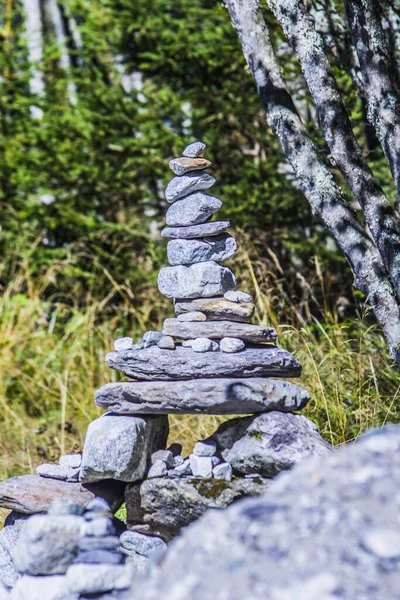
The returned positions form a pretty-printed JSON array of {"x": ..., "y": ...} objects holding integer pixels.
[{"x": 96, "y": 96}]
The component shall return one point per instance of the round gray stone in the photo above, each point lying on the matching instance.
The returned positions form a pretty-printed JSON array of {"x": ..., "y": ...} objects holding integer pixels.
[
  {"x": 194, "y": 150},
  {"x": 203, "y": 279},
  {"x": 203, "y": 230},
  {"x": 188, "y": 252},
  {"x": 184, "y": 185},
  {"x": 192, "y": 210}
]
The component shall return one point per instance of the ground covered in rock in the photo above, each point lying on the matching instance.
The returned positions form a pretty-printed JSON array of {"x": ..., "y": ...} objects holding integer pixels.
[{"x": 328, "y": 529}]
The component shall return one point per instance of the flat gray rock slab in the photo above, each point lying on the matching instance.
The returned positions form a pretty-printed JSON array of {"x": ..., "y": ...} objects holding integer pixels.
[
  {"x": 203, "y": 279},
  {"x": 120, "y": 447},
  {"x": 327, "y": 529},
  {"x": 142, "y": 544},
  {"x": 166, "y": 505},
  {"x": 182, "y": 363},
  {"x": 217, "y": 330},
  {"x": 268, "y": 443},
  {"x": 48, "y": 544},
  {"x": 202, "y": 230},
  {"x": 217, "y": 309},
  {"x": 202, "y": 396},
  {"x": 30, "y": 494},
  {"x": 192, "y": 210},
  {"x": 181, "y": 186},
  {"x": 188, "y": 252}
]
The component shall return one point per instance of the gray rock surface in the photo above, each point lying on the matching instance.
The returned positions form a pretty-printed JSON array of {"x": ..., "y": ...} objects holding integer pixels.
[
  {"x": 167, "y": 504},
  {"x": 181, "y": 470},
  {"x": 223, "y": 471},
  {"x": 70, "y": 460},
  {"x": 183, "y": 165},
  {"x": 328, "y": 529},
  {"x": 268, "y": 443},
  {"x": 164, "y": 455},
  {"x": 166, "y": 343},
  {"x": 194, "y": 150},
  {"x": 158, "y": 469},
  {"x": 218, "y": 309},
  {"x": 192, "y": 316},
  {"x": 156, "y": 364},
  {"x": 231, "y": 345},
  {"x": 9, "y": 536},
  {"x": 43, "y": 588},
  {"x": 203, "y": 230},
  {"x": 192, "y": 251},
  {"x": 202, "y": 279},
  {"x": 205, "y": 448},
  {"x": 192, "y": 210},
  {"x": 124, "y": 343},
  {"x": 109, "y": 542},
  {"x": 47, "y": 544},
  {"x": 184, "y": 185},
  {"x": 150, "y": 338},
  {"x": 217, "y": 330},
  {"x": 62, "y": 472},
  {"x": 207, "y": 396},
  {"x": 119, "y": 447},
  {"x": 142, "y": 544},
  {"x": 30, "y": 494},
  {"x": 201, "y": 466},
  {"x": 101, "y": 527},
  {"x": 4, "y": 593},
  {"x": 203, "y": 344},
  {"x": 237, "y": 296},
  {"x": 99, "y": 557},
  {"x": 93, "y": 579}
]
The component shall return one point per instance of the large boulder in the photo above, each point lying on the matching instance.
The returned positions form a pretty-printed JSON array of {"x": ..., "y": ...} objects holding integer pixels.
[
  {"x": 166, "y": 505},
  {"x": 119, "y": 447},
  {"x": 327, "y": 529},
  {"x": 268, "y": 443}
]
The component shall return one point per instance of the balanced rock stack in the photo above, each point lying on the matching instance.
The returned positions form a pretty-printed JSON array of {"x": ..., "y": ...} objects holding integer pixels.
[{"x": 208, "y": 360}]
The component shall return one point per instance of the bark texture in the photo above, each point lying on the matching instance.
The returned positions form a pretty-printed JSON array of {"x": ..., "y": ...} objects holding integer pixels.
[
  {"x": 345, "y": 152},
  {"x": 315, "y": 180},
  {"x": 380, "y": 77}
]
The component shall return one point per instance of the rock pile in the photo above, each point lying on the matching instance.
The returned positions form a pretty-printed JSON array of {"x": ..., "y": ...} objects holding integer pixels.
[{"x": 209, "y": 359}]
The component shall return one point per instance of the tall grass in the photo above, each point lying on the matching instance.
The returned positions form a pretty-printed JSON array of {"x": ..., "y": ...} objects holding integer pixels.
[{"x": 52, "y": 358}]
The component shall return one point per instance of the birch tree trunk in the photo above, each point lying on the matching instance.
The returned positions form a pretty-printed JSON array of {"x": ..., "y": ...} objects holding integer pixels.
[{"x": 375, "y": 263}]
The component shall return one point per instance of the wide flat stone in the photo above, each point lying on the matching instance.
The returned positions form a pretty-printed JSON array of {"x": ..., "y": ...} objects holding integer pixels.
[
  {"x": 184, "y": 164},
  {"x": 202, "y": 279},
  {"x": 201, "y": 396},
  {"x": 30, "y": 494},
  {"x": 188, "y": 252},
  {"x": 181, "y": 186},
  {"x": 217, "y": 330},
  {"x": 216, "y": 308},
  {"x": 192, "y": 210},
  {"x": 120, "y": 447},
  {"x": 182, "y": 363},
  {"x": 167, "y": 505},
  {"x": 268, "y": 443},
  {"x": 195, "y": 231}
]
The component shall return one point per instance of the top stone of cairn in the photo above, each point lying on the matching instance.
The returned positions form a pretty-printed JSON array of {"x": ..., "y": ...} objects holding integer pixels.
[{"x": 194, "y": 150}]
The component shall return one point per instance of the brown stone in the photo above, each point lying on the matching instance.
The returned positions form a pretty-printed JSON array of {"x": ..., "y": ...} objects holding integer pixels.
[
  {"x": 216, "y": 309},
  {"x": 183, "y": 165},
  {"x": 30, "y": 494},
  {"x": 216, "y": 330}
]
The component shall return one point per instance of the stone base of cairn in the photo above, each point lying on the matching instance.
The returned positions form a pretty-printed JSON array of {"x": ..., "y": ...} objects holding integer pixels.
[{"x": 208, "y": 360}]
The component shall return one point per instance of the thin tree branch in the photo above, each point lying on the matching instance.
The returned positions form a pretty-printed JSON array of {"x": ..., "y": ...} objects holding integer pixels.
[
  {"x": 315, "y": 179},
  {"x": 381, "y": 83},
  {"x": 332, "y": 116}
]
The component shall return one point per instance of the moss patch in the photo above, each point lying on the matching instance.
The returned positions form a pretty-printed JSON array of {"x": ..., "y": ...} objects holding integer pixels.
[{"x": 210, "y": 488}]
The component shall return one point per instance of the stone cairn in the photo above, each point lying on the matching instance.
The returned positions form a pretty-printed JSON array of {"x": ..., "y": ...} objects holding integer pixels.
[{"x": 208, "y": 360}]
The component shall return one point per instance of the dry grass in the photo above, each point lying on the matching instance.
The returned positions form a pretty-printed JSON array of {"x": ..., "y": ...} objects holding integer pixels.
[{"x": 52, "y": 360}]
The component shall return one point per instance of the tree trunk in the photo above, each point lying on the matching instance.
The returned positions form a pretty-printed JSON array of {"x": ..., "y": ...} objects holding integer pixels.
[{"x": 316, "y": 181}]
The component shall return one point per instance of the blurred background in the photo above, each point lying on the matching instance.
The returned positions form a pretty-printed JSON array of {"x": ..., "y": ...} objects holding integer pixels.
[{"x": 95, "y": 98}]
